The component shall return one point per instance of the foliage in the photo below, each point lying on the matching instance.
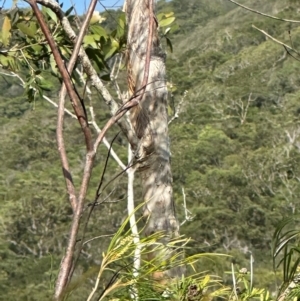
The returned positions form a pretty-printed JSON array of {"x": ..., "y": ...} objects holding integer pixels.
[
  {"x": 286, "y": 253},
  {"x": 27, "y": 46},
  {"x": 235, "y": 148}
]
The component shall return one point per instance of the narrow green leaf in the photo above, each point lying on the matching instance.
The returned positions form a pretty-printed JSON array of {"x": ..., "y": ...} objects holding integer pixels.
[
  {"x": 6, "y": 27},
  {"x": 50, "y": 13},
  {"x": 110, "y": 53},
  {"x": 106, "y": 77},
  {"x": 121, "y": 26},
  {"x": 169, "y": 44},
  {"x": 53, "y": 65},
  {"x": 68, "y": 12}
]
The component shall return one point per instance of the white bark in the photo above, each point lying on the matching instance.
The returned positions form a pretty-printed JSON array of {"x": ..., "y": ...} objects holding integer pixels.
[
  {"x": 150, "y": 122},
  {"x": 133, "y": 225}
]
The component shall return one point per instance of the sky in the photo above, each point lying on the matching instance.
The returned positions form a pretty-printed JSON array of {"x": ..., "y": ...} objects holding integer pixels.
[{"x": 80, "y": 5}]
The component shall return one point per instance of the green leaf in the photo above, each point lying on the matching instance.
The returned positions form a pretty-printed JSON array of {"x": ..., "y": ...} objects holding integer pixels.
[
  {"x": 50, "y": 13},
  {"x": 37, "y": 48},
  {"x": 53, "y": 65},
  {"x": 105, "y": 77},
  {"x": 98, "y": 30},
  {"x": 68, "y": 12},
  {"x": 166, "y": 22},
  {"x": 14, "y": 17},
  {"x": 65, "y": 51},
  {"x": 169, "y": 44},
  {"x": 3, "y": 60},
  {"x": 30, "y": 93},
  {"x": 28, "y": 28},
  {"x": 160, "y": 16},
  {"x": 95, "y": 57},
  {"x": 90, "y": 40},
  {"x": 121, "y": 26},
  {"x": 45, "y": 85},
  {"x": 6, "y": 27},
  {"x": 167, "y": 30},
  {"x": 110, "y": 52},
  {"x": 170, "y": 14},
  {"x": 7, "y": 60}
]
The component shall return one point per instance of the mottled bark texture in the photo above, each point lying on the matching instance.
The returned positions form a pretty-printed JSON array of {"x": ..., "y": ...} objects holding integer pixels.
[{"x": 150, "y": 122}]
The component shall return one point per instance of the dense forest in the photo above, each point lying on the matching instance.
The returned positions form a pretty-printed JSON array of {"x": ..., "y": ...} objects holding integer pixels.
[{"x": 235, "y": 152}]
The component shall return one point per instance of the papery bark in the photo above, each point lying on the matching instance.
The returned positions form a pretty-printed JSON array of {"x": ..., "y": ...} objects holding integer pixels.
[{"x": 150, "y": 122}]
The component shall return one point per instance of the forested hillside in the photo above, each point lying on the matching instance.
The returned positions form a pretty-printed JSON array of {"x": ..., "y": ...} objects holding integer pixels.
[{"x": 235, "y": 151}]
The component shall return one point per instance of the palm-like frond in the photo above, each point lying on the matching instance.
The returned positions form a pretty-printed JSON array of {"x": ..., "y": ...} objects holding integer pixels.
[{"x": 286, "y": 250}]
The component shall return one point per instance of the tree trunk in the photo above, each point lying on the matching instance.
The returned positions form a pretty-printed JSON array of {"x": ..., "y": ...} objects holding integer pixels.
[{"x": 150, "y": 122}]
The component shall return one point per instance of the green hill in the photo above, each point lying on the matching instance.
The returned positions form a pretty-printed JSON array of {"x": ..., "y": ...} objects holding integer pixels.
[{"x": 235, "y": 151}]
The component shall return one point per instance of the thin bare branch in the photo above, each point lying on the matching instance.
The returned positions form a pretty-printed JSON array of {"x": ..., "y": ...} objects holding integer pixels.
[
  {"x": 105, "y": 141},
  {"x": 275, "y": 40},
  {"x": 136, "y": 98},
  {"x": 94, "y": 123},
  {"x": 97, "y": 237},
  {"x": 12, "y": 74},
  {"x": 263, "y": 14},
  {"x": 188, "y": 217},
  {"x": 178, "y": 109}
]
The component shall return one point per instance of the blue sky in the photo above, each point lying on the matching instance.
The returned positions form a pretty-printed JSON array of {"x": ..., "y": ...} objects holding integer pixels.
[{"x": 79, "y": 4}]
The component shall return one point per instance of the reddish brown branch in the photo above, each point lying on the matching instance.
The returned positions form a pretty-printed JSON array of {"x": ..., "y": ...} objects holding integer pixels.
[
  {"x": 65, "y": 75},
  {"x": 65, "y": 271},
  {"x": 91, "y": 72},
  {"x": 60, "y": 117},
  {"x": 66, "y": 263}
]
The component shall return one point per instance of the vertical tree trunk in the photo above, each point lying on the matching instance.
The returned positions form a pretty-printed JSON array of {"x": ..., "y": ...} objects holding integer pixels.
[{"x": 150, "y": 122}]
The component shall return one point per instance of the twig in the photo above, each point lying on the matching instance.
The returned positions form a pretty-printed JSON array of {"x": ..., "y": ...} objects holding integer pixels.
[
  {"x": 178, "y": 109},
  {"x": 251, "y": 271},
  {"x": 275, "y": 40},
  {"x": 133, "y": 225},
  {"x": 136, "y": 98},
  {"x": 263, "y": 14},
  {"x": 95, "y": 125},
  {"x": 114, "y": 75},
  {"x": 12, "y": 74},
  {"x": 187, "y": 214},
  {"x": 105, "y": 142},
  {"x": 234, "y": 282},
  {"x": 96, "y": 237}
]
